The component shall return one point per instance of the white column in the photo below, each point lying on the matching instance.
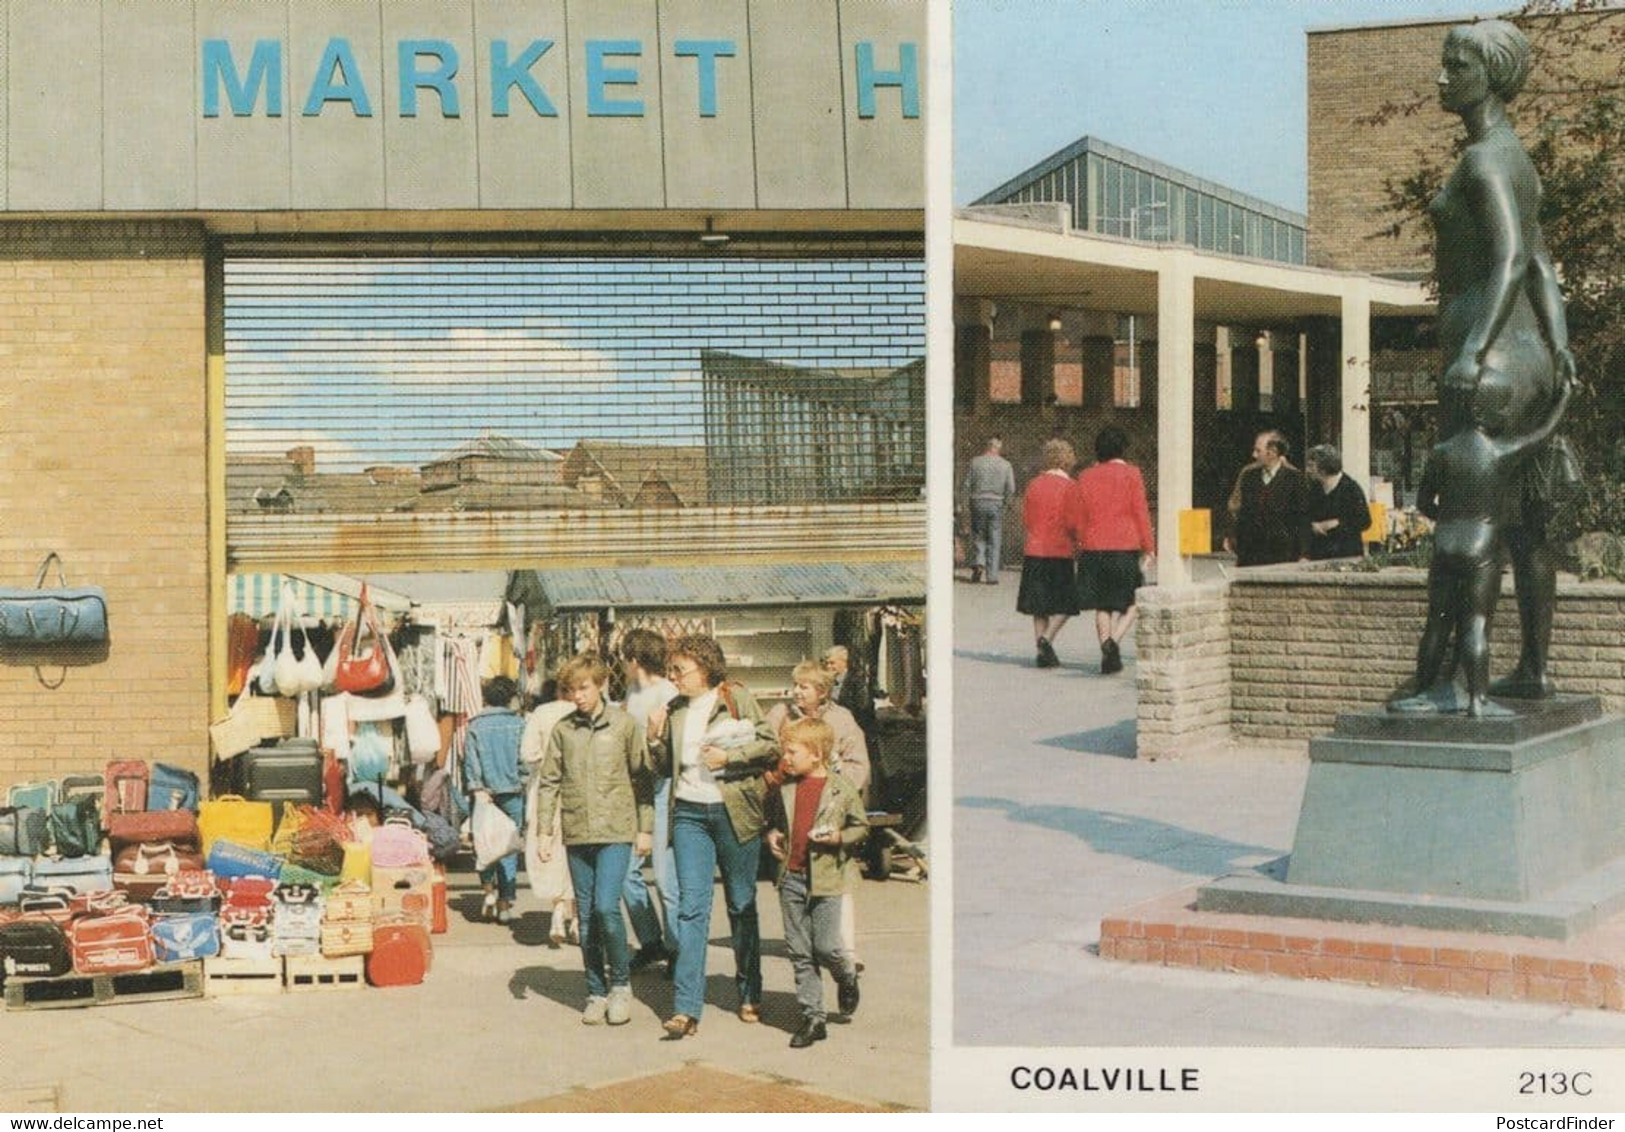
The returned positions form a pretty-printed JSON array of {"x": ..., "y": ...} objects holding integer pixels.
[
  {"x": 1355, "y": 412},
  {"x": 1176, "y": 382}
]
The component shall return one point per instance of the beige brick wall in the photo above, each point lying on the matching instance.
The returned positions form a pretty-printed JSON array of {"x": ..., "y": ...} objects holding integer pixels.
[
  {"x": 102, "y": 347},
  {"x": 1353, "y": 74},
  {"x": 1183, "y": 668},
  {"x": 1306, "y": 645}
]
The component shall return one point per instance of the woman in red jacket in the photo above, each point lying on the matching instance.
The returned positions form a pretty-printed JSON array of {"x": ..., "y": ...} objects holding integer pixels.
[
  {"x": 1048, "y": 580},
  {"x": 1114, "y": 530}
]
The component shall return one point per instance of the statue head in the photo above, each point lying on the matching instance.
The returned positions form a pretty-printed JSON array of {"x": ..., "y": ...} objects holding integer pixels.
[{"x": 1486, "y": 57}]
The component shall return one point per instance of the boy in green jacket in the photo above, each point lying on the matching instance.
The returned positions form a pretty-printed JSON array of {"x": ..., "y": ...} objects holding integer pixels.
[{"x": 817, "y": 820}]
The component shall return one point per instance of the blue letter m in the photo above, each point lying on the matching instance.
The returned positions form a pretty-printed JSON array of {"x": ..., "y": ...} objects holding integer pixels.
[{"x": 264, "y": 68}]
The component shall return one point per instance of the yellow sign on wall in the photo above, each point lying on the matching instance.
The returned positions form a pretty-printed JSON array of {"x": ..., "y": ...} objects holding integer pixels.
[
  {"x": 1378, "y": 530},
  {"x": 1196, "y": 531}
]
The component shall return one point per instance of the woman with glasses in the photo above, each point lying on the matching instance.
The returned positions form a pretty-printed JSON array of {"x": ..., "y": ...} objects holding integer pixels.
[{"x": 713, "y": 742}]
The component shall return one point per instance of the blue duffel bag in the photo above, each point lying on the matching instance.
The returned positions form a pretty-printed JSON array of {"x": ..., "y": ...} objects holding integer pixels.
[
  {"x": 61, "y": 619},
  {"x": 15, "y": 874},
  {"x": 82, "y": 874}
]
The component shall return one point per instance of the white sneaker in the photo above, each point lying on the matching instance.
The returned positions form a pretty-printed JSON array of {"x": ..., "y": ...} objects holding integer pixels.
[
  {"x": 597, "y": 1007},
  {"x": 619, "y": 1008},
  {"x": 488, "y": 908}
]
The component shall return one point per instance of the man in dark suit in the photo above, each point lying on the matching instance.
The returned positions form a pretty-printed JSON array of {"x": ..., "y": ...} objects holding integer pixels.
[
  {"x": 1272, "y": 523},
  {"x": 854, "y": 691}
]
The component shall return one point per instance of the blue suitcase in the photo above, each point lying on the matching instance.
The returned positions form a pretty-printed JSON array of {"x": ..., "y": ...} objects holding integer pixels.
[{"x": 171, "y": 788}]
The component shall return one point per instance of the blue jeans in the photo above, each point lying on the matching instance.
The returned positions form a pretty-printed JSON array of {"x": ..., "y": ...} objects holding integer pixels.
[
  {"x": 703, "y": 839},
  {"x": 665, "y": 862},
  {"x": 812, "y": 935},
  {"x": 987, "y": 531},
  {"x": 503, "y": 874},
  {"x": 639, "y": 907},
  {"x": 598, "y": 872}
]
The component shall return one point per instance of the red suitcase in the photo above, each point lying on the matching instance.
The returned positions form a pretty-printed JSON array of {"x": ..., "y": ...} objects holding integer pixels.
[
  {"x": 110, "y": 944},
  {"x": 401, "y": 954},
  {"x": 151, "y": 827}
]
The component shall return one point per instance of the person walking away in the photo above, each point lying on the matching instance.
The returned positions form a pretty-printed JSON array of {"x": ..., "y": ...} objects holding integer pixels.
[
  {"x": 1048, "y": 591},
  {"x": 1338, "y": 513},
  {"x": 643, "y": 660},
  {"x": 596, "y": 770},
  {"x": 1114, "y": 535},
  {"x": 554, "y": 707},
  {"x": 817, "y": 822},
  {"x": 491, "y": 772},
  {"x": 988, "y": 488}
]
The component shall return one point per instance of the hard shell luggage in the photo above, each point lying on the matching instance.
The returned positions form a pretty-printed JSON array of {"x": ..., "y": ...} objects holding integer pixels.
[
  {"x": 401, "y": 954},
  {"x": 179, "y": 827},
  {"x": 110, "y": 944},
  {"x": 289, "y": 772},
  {"x": 36, "y": 948},
  {"x": 82, "y": 874},
  {"x": 351, "y": 900},
  {"x": 15, "y": 875},
  {"x": 171, "y": 788},
  {"x": 126, "y": 790},
  {"x": 23, "y": 831},
  {"x": 178, "y": 938}
]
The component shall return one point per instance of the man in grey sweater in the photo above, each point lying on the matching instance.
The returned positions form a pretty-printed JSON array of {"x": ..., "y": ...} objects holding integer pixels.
[{"x": 989, "y": 486}]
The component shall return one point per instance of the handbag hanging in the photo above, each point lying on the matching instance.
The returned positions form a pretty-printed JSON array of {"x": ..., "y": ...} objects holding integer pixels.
[
  {"x": 372, "y": 672},
  {"x": 295, "y": 675},
  {"x": 47, "y": 622}
]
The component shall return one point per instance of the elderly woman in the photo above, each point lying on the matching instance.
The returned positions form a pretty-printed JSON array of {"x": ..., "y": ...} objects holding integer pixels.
[
  {"x": 714, "y": 744},
  {"x": 1048, "y": 591},
  {"x": 1501, "y": 313},
  {"x": 1338, "y": 514}
]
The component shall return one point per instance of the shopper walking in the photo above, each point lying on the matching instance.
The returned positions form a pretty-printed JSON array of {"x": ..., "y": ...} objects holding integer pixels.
[
  {"x": 1048, "y": 591},
  {"x": 643, "y": 660},
  {"x": 491, "y": 773},
  {"x": 1114, "y": 535},
  {"x": 596, "y": 769},
  {"x": 988, "y": 488},
  {"x": 716, "y": 746}
]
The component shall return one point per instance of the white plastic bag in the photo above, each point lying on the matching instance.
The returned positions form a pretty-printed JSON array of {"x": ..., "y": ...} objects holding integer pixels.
[
  {"x": 495, "y": 834},
  {"x": 549, "y": 879},
  {"x": 422, "y": 732}
]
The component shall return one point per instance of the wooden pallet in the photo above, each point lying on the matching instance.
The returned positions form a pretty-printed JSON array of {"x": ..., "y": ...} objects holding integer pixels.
[
  {"x": 228, "y": 976},
  {"x": 156, "y": 984},
  {"x": 317, "y": 972}
]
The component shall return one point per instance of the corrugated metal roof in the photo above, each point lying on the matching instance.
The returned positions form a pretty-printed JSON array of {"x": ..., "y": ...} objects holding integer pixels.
[{"x": 658, "y": 587}]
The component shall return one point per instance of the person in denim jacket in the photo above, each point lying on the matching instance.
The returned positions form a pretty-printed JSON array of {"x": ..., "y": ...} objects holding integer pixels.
[{"x": 491, "y": 772}]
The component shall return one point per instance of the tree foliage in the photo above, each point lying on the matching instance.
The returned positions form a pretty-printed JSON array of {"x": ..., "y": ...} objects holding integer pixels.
[{"x": 1572, "y": 117}]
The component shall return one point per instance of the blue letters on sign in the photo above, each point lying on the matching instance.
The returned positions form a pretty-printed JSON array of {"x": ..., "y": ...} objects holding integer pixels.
[
  {"x": 906, "y": 78},
  {"x": 599, "y": 76},
  {"x": 440, "y": 78},
  {"x": 707, "y": 51},
  {"x": 338, "y": 59},
  {"x": 264, "y": 67},
  {"x": 505, "y": 76}
]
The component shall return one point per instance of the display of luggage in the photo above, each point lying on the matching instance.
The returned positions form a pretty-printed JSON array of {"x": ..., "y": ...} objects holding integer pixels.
[
  {"x": 232, "y": 817},
  {"x": 75, "y": 827},
  {"x": 23, "y": 831},
  {"x": 288, "y": 772},
  {"x": 126, "y": 787},
  {"x": 401, "y": 954},
  {"x": 16, "y": 873},
  {"x": 36, "y": 948},
  {"x": 110, "y": 944},
  {"x": 171, "y": 788},
  {"x": 32, "y": 795},
  {"x": 151, "y": 826},
  {"x": 81, "y": 874},
  {"x": 178, "y": 938}
]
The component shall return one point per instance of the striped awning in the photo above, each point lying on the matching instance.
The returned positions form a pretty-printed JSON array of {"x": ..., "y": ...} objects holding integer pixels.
[{"x": 256, "y": 595}]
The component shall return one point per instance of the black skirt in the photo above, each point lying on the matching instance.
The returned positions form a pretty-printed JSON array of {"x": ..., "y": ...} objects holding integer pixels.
[
  {"x": 1048, "y": 587},
  {"x": 1107, "y": 579}
]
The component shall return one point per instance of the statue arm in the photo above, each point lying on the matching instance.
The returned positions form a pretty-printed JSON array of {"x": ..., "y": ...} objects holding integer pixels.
[
  {"x": 1427, "y": 491},
  {"x": 1547, "y": 298},
  {"x": 1518, "y": 445},
  {"x": 1495, "y": 208}
]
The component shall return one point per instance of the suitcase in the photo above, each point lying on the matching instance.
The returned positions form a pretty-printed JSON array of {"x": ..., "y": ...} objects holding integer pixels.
[
  {"x": 22, "y": 831},
  {"x": 176, "y": 939},
  {"x": 291, "y": 771},
  {"x": 37, "y": 948},
  {"x": 171, "y": 788},
  {"x": 110, "y": 944},
  {"x": 15, "y": 874},
  {"x": 82, "y": 874},
  {"x": 152, "y": 826},
  {"x": 82, "y": 786},
  {"x": 126, "y": 789},
  {"x": 401, "y": 954},
  {"x": 33, "y": 795}
]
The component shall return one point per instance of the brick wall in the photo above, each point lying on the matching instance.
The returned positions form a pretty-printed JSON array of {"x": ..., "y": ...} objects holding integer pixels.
[
  {"x": 1183, "y": 669},
  {"x": 102, "y": 343},
  {"x": 1307, "y": 644}
]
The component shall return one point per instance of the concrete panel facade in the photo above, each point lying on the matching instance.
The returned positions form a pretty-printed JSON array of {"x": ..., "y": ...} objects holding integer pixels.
[
  {"x": 337, "y": 156},
  {"x": 430, "y": 159},
  {"x": 800, "y": 147},
  {"x": 708, "y": 158},
  {"x": 244, "y": 162},
  {"x": 55, "y": 93},
  {"x": 617, "y": 157},
  {"x": 524, "y": 156},
  {"x": 874, "y": 177},
  {"x": 150, "y": 114}
]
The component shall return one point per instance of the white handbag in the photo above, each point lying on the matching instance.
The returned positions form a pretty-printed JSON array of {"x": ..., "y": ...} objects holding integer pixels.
[{"x": 422, "y": 732}]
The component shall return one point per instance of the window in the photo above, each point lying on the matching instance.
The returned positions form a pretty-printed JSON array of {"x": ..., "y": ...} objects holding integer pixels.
[{"x": 1126, "y": 364}]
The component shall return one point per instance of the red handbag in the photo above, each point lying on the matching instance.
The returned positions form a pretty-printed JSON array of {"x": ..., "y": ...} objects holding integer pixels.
[
  {"x": 370, "y": 673},
  {"x": 110, "y": 944}
]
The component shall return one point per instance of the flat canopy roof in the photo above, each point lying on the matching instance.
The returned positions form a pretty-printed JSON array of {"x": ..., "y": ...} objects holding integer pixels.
[
  {"x": 709, "y": 587},
  {"x": 1024, "y": 258}
]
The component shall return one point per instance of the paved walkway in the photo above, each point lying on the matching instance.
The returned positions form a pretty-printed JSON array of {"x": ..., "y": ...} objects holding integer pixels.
[
  {"x": 495, "y": 1026},
  {"x": 1057, "y": 825}
]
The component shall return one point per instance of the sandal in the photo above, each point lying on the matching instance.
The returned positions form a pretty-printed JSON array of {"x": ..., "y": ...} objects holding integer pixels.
[
  {"x": 680, "y": 1026},
  {"x": 748, "y": 1012}
]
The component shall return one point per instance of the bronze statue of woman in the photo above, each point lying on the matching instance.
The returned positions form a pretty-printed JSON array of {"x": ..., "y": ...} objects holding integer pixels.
[{"x": 1501, "y": 311}]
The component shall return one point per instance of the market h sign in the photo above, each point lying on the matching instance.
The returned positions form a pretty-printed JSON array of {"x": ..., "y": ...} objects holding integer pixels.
[{"x": 250, "y": 83}]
